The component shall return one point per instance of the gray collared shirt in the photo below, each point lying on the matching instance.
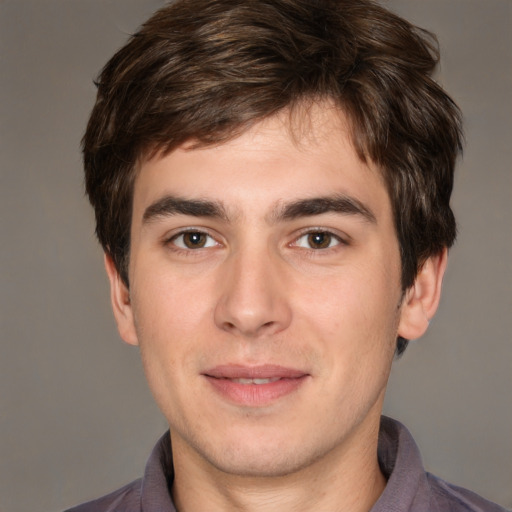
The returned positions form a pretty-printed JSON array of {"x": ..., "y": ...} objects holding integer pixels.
[{"x": 409, "y": 488}]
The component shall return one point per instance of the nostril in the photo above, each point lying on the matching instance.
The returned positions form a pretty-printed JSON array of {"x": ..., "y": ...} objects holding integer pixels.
[{"x": 252, "y": 313}]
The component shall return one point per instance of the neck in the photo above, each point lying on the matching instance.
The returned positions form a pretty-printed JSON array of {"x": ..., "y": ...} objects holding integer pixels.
[{"x": 345, "y": 479}]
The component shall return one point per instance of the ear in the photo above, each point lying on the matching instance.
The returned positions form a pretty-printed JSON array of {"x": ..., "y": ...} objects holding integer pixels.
[
  {"x": 421, "y": 300},
  {"x": 121, "y": 304}
]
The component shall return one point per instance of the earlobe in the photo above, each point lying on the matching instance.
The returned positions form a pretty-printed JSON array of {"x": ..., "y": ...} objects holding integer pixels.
[
  {"x": 121, "y": 304},
  {"x": 421, "y": 300}
]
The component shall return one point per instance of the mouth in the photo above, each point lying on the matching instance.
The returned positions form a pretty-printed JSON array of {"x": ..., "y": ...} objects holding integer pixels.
[
  {"x": 254, "y": 386},
  {"x": 258, "y": 382}
]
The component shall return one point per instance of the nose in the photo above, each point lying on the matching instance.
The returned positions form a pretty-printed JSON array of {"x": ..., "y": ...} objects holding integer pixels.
[{"x": 254, "y": 296}]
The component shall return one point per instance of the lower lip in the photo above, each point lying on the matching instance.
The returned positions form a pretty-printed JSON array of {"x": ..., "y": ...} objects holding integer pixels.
[{"x": 255, "y": 395}]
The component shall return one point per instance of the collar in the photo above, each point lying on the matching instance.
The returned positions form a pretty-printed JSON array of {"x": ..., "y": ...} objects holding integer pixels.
[
  {"x": 400, "y": 461},
  {"x": 399, "y": 458}
]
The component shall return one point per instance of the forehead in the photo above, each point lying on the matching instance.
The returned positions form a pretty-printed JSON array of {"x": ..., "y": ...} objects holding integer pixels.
[{"x": 299, "y": 152}]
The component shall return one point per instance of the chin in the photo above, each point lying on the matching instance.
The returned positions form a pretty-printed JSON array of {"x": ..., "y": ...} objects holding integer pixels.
[
  {"x": 268, "y": 456},
  {"x": 259, "y": 465}
]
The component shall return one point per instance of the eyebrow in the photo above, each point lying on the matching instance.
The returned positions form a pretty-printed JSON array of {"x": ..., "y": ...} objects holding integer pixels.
[
  {"x": 171, "y": 205},
  {"x": 338, "y": 203}
]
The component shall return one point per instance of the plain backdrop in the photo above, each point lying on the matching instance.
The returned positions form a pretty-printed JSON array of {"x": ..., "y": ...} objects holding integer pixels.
[{"x": 76, "y": 417}]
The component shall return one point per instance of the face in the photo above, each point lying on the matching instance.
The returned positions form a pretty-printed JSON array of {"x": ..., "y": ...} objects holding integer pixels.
[{"x": 265, "y": 295}]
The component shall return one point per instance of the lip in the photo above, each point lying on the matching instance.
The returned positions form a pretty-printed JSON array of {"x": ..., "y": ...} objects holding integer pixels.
[{"x": 231, "y": 383}]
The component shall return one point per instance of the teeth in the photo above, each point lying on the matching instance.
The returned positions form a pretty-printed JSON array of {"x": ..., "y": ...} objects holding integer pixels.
[{"x": 255, "y": 381}]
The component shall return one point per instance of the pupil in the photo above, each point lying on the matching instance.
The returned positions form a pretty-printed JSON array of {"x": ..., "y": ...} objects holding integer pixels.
[
  {"x": 194, "y": 240},
  {"x": 319, "y": 240}
]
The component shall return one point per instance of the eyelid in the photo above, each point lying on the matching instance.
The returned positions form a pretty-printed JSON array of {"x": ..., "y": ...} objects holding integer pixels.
[
  {"x": 343, "y": 239},
  {"x": 169, "y": 239}
]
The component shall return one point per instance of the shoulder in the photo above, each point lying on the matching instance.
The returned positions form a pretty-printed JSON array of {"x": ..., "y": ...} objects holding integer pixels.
[
  {"x": 126, "y": 499},
  {"x": 451, "y": 498},
  {"x": 409, "y": 487}
]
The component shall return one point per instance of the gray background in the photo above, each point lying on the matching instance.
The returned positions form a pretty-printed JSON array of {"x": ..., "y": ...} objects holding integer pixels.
[{"x": 76, "y": 418}]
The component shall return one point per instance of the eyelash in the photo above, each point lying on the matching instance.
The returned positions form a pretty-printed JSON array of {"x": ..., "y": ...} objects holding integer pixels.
[
  {"x": 332, "y": 237},
  {"x": 171, "y": 241},
  {"x": 319, "y": 231}
]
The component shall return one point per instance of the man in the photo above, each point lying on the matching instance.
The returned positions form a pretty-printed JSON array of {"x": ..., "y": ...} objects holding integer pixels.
[{"x": 271, "y": 181}]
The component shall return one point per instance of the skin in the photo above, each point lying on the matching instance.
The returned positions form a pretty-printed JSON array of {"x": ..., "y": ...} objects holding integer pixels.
[{"x": 247, "y": 287}]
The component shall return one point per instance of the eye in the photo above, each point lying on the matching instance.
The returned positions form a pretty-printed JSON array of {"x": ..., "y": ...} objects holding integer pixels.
[
  {"x": 317, "y": 240},
  {"x": 193, "y": 240}
]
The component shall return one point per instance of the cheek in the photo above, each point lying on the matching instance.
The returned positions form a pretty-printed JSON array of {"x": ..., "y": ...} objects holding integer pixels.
[
  {"x": 169, "y": 321},
  {"x": 168, "y": 337},
  {"x": 168, "y": 304},
  {"x": 354, "y": 311},
  {"x": 357, "y": 300}
]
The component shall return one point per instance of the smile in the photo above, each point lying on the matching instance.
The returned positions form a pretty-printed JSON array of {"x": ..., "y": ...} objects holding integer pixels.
[
  {"x": 254, "y": 386},
  {"x": 256, "y": 381}
]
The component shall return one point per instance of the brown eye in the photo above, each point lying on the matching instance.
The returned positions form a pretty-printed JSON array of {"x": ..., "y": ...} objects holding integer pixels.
[
  {"x": 193, "y": 240},
  {"x": 319, "y": 240}
]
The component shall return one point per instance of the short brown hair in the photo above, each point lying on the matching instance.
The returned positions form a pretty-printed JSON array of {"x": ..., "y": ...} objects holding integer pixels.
[{"x": 206, "y": 70}]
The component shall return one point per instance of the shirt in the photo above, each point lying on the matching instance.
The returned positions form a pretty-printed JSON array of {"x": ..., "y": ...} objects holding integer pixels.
[{"x": 409, "y": 487}]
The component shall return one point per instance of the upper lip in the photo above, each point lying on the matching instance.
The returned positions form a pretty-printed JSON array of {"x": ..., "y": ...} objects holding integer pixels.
[{"x": 267, "y": 371}]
